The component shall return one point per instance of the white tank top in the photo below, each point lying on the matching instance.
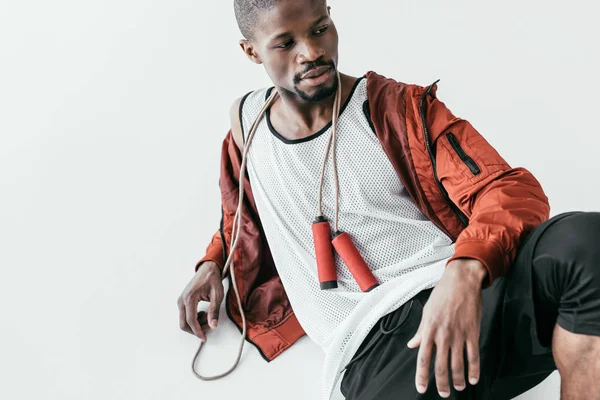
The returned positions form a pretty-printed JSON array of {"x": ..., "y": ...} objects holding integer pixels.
[{"x": 405, "y": 251}]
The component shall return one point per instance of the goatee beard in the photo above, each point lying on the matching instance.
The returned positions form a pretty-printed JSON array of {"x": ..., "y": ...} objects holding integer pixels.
[{"x": 320, "y": 94}]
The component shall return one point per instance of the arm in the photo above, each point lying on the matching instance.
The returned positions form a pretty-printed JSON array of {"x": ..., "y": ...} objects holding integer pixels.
[{"x": 503, "y": 203}]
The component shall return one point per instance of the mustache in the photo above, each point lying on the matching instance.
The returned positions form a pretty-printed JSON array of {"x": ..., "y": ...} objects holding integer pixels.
[{"x": 310, "y": 66}]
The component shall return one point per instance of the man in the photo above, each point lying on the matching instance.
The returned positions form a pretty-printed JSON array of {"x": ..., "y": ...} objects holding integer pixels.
[{"x": 480, "y": 295}]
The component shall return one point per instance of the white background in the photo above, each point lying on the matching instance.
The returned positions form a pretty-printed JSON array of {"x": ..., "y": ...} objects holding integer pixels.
[{"x": 112, "y": 115}]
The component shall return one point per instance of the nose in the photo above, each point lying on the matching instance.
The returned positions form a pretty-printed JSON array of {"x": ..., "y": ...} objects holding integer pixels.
[{"x": 309, "y": 52}]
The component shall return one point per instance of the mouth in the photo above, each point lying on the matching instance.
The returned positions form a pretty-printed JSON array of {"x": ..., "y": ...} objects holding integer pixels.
[
  {"x": 317, "y": 75},
  {"x": 316, "y": 72}
]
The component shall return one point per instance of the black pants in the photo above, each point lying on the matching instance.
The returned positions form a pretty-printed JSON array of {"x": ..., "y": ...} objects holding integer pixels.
[{"x": 555, "y": 279}]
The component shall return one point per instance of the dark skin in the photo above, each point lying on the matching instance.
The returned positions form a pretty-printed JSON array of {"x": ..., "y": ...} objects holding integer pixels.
[
  {"x": 450, "y": 323},
  {"x": 292, "y": 39}
]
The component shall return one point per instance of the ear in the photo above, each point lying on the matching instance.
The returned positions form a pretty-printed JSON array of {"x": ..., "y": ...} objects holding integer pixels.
[
  {"x": 248, "y": 48},
  {"x": 329, "y": 10}
]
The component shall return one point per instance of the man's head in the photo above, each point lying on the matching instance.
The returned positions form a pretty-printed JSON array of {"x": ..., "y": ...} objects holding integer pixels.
[{"x": 295, "y": 40}]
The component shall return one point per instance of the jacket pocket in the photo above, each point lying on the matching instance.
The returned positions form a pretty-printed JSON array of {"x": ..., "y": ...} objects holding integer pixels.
[
  {"x": 473, "y": 167},
  {"x": 461, "y": 153}
]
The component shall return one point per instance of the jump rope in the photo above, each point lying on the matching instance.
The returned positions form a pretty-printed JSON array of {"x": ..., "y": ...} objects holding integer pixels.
[{"x": 322, "y": 238}]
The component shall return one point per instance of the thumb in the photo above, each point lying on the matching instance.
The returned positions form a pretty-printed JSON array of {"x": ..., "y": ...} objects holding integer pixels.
[
  {"x": 213, "y": 309},
  {"x": 415, "y": 341}
]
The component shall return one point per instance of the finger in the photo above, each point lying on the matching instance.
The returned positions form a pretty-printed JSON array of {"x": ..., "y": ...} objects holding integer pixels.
[
  {"x": 216, "y": 297},
  {"x": 457, "y": 362},
  {"x": 205, "y": 328},
  {"x": 415, "y": 341},
  {"x": 423, "y": 363},
  {"x": 473, "y": 360},
  {"x": 441, "y": 367},
  {"x": 182, "y": 322},
  {"x": 191, "y": 318}
]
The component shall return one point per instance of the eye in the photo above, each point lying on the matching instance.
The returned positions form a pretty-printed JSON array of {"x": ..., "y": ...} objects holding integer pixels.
[
  {"x": 285, "y": 45},
  {"x": 321, "y": 30}
]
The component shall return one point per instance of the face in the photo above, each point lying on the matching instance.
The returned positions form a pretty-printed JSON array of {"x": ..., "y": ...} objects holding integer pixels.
[{"x": 297, "y": 43}]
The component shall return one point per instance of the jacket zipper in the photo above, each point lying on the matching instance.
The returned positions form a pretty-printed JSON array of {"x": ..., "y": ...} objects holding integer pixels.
[
  {"x": 230, "y": 288},
  {"x": 461, "y": 153},
  {"x": 223, "y": 237},
  {"x": 459, "y": 214}
]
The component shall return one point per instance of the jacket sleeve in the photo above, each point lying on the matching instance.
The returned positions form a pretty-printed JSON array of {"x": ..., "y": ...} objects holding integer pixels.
[
  {"x": 217, "y": 249},
  {"x": 503, "y": 204},
  {"x": 214, "y": 252}
]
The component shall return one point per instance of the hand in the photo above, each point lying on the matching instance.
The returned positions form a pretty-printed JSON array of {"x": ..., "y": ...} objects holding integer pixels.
[
  {"x": 450, "y": 322},
  {"x": 205, "y": 285}
]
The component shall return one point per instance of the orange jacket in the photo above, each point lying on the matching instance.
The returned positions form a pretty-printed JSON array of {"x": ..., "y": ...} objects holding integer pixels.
[{"x": 453, "y": 175}]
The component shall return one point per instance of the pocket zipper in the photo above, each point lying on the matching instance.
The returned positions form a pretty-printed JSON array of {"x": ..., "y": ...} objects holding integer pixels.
[{"x": 461, "y": 153}]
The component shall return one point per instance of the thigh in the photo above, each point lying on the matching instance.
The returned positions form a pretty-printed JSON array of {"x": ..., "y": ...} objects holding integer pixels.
[
  {"x": 566, "y": 276},
  {"x": 387, "y": 370},
  {"x": 534, "y": 286},
  {"x": 556, "y": 279}
]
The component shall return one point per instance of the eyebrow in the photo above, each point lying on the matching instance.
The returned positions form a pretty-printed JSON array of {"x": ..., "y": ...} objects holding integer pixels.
[{"x": 284, "y": 34}]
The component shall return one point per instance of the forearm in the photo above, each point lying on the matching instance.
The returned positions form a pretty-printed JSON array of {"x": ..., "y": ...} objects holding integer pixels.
[
  {"x": 471, "y": 271},
  {"x": 214, "y": 252}
]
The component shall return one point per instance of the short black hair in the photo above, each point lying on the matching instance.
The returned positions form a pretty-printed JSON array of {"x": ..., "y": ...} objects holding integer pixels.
[
  {"x": 247, "y": 11},
  {"x": 246, "y": 14}
]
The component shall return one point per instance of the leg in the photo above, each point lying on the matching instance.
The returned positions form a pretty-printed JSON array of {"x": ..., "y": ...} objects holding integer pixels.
[
  {"x": 578, "y": 359},
  {"x": 551, "y": 301},
  {"x": 565, "y": 284}
]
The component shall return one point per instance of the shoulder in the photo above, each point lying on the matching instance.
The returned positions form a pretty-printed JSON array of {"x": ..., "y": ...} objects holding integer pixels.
[
  {"x": 236, "y": 124},
  {"x": 236, "y": 120},
  {"x": 408, "y": 99},
  {"x": 379, "y": 85},
  {"x": 256, "y": 98}
]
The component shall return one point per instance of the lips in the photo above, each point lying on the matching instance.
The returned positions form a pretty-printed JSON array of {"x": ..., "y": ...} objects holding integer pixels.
[{"x": 313, "y": 73}]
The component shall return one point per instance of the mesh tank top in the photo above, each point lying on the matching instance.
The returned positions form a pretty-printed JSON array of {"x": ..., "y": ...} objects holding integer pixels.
[{"x": 406, "y": 252}]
